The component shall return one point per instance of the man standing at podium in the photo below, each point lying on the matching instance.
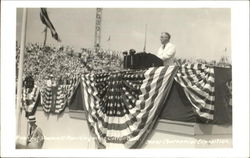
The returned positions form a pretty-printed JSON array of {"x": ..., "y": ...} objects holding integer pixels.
[{"x": 167, "y": 50}]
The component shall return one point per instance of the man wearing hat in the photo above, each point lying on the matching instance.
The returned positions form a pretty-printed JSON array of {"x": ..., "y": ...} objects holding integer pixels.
[
  {"x": 167, "y": 50},
  {"x": 35, "y": 138}
]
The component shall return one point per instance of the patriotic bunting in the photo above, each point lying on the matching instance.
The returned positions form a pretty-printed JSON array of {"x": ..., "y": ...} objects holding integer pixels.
[
  {"x": 199, "y": 87},
  {"x": 46, "y": 98},
  {"x": 123, "y": 107},
  {"x": 55, "y": 99},
  {"x": 29, "y": 98}
]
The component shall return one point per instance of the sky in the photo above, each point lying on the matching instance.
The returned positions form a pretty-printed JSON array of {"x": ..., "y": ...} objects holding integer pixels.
[{"x": 199, "y": 33}]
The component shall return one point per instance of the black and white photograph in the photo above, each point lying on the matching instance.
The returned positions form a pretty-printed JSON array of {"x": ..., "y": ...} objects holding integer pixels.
[{"x": 123, "y": 78}]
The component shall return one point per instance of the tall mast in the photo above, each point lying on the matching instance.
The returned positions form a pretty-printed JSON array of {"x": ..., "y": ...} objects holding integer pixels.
[
  {"x": 98, "y": 27},
  {"x": 20, "y": 71},
  {"x": 145, "y": 40}
]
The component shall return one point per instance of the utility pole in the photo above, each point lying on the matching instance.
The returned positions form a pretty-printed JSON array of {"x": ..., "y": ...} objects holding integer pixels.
[{"x": 98, "y": 27}]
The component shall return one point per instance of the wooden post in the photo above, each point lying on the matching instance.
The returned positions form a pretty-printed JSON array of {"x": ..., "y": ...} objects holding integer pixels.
[{"x": 20, "y": 73}]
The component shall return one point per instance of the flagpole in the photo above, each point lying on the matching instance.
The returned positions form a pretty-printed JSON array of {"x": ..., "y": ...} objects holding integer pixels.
[
  {"x": 45, "y": 36},
  {"x": 20, "y": 72},
  {"x": 145, "y": 40},
  {"x": 109, "y": 43}
]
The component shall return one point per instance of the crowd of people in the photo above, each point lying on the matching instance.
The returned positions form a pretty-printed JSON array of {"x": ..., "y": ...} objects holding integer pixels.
[
  {"x": 41, "y": 62},
  {"x": 223, "y": 62}
]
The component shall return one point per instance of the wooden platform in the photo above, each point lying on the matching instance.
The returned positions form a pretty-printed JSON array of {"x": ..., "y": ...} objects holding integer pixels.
[
  {"x": 190, "y": 128},
  {"x": 167, "y": 133},
  {"x": 178, "y": 127}
]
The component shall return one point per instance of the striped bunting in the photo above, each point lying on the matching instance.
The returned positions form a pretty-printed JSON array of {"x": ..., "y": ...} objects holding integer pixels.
[
  {"x": 122, "y": 107},
  {"x": 29, "y": 101},
  {"x": 61, "y": 99},
  {"x": 71, "y": 88},
  {"x": 32, "y": 118},
  {"x": 55, "y": 99},
  {"x": 46, "y": 98},
  {"x": 199, "y": 87}
]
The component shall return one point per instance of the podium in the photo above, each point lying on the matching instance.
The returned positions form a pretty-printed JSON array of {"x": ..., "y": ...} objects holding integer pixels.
[{"x": 141, "y": 61}]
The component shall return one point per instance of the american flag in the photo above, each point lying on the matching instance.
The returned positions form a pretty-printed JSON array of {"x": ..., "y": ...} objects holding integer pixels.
[
  {"x": 122, "y": 107},
  {"x": 198, "y": 82},
  {"x": 46, "y": 21}
]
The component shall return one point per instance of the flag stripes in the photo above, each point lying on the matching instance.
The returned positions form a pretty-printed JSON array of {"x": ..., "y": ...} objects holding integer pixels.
[
  {"x": 61, "y": 99},
  {"x": 199, "y": 87},
  {"x": 46, "y": 21},
  {"x": 32, "y": 118},
  {"x": 57, "y": 101},
  {"x": 29, "y": 101},
  {"x": 122, "y": 116},
  {"x": 30, "y": 97},
  {"x": 46, "y": 98}
]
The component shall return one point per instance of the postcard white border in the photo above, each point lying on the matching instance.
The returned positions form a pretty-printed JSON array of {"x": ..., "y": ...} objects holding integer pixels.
[{"x": 240, "y": 62}]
